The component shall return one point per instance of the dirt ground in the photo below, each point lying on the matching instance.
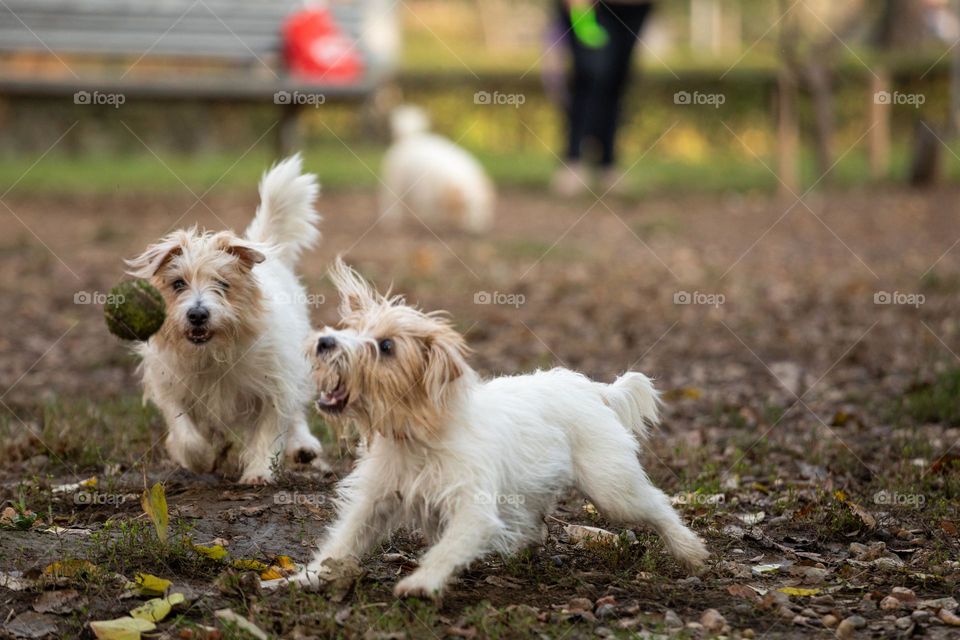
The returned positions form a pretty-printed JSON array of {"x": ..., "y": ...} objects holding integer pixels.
[{"x": 807, "y": 351}]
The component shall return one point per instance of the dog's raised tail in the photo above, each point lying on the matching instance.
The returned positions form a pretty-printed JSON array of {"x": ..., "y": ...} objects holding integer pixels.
[
  {"x": 286, "y": 217},
  {"x": 633, "y": 398}
]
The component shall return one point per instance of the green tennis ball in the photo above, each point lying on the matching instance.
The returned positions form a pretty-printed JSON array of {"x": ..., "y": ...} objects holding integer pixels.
[{"x": 134, "y": 310}]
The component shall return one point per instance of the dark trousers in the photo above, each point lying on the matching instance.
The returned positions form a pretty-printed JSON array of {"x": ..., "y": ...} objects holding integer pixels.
[{"x": 599, "y": 78}]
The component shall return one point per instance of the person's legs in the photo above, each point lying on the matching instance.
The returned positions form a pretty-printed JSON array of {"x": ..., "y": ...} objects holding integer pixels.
[
  {"x": 571, "y": 179},
  {"x": 623, "y": 23}
]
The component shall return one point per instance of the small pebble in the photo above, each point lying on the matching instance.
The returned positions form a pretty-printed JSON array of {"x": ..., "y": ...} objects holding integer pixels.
[
  {"x": 606, "y": 611},
  {"x": 905, "y": 622},
  {"x": 712, "y": 620},
  {"x": 903, "y": 594},
  {"x": 848, "y": 626},
  {"x": 829, "y": 621},
  {"x": 671, "y": 620}
]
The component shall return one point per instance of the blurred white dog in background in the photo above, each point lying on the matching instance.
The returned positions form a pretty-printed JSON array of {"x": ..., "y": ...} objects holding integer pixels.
[{"x": 427, "y": 176}]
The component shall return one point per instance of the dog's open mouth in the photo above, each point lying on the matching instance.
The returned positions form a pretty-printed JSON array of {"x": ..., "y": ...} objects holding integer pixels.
[
  {"x": 199, "y": 335},
  {"x": 334, "y": 401}
]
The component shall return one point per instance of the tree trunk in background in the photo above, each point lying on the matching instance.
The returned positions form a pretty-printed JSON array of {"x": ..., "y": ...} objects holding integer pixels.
[
  {"x": 901, "y": 24},
  {"x": 817, "y": 77},
  {"x": 878, "y": 140},
  {"x": 788, "y": 126}
]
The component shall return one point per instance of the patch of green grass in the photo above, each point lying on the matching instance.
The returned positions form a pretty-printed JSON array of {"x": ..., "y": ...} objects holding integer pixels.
[
  {"x": 91, "y": 434},
  {"x": 513, "y": 622},
  {"x": 938, "y": 402},
  {"x": 356, "y": 165},
  {"x": 131, "y": 546}
]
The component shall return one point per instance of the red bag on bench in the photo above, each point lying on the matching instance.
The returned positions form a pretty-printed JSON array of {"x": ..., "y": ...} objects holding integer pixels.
[{"x": 316, "y": 49}]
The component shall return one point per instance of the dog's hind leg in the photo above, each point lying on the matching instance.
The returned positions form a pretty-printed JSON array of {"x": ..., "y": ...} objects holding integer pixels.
[{"x": 609, "y": 472}]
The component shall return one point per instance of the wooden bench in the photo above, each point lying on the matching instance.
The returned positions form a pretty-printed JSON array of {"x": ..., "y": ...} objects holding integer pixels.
[{"x": 174, "y": 50}]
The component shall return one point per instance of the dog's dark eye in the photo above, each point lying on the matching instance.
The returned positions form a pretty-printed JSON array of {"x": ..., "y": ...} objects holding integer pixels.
[
  {"x": 179, "y": 285},
  {"x": 223, "y": 285},
  {"x": 386, "y": 347}
]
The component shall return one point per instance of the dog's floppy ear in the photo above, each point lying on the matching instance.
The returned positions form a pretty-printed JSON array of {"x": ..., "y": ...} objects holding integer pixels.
[
  {"x": 356, "y": 294},
  {"x": 148, "y": 263},
  {"x": 245, "y": 252},
  {"x": 446, "y": 353},
  {"x": 247, "y": 255}
]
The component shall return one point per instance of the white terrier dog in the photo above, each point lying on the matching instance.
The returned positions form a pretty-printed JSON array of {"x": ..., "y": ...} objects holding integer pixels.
[
  {"x": 475, "y": 463},
  {"x": 227, "y": 369},
  {"x": 430, "y": 176}
]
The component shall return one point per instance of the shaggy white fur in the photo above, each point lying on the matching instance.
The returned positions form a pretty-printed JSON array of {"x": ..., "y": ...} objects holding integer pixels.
[
  {"x": 476, "y": 464},
  {"x": 226, "y": 368}
]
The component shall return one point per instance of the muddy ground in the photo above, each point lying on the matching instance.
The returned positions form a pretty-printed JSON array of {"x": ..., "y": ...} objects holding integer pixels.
[{"x": 808, "y": 354}]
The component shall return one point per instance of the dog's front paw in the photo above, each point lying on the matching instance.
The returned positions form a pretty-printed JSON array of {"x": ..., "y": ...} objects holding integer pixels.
[
  {"x": 304, "y": 448},
  {"x": 308, "y": 579},
  {"x": 256, "y": 478},
  {"x": 419, "y": 585}
]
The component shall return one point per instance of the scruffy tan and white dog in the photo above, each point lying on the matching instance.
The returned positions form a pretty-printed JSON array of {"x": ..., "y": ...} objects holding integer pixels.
[
  {"x": 475, "y": 463},
  {"x": 428, "y": 176},
  {"x": 227, "y": 368}
]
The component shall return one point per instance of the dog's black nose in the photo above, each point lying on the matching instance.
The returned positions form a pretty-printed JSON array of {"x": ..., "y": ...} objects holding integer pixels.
[
  {"x": 326, "y": 343},
  {"x": 198, "y": 316}
]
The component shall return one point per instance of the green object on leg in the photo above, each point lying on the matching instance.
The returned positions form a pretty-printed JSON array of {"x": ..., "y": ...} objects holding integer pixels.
[{"x": 586, "y": 28}]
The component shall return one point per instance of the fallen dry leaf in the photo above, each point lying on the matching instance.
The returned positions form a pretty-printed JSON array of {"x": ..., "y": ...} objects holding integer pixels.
[
  {"x": 154, "y": 503},
  {"x": 121, "y": 628}
]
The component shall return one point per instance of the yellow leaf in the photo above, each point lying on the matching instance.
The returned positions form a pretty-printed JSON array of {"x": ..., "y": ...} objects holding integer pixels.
[
  {"x": 249, "y": 565},
  {"x": 71, "y": 569},
  {"x": 216, "y": 552},
  {"x": 149, "y": 585},
  {"x": 121, "y": 628},
  {"x": 271, "y": 574},
  {"x": 157, "y": 609},
  {"x": 798, "y": 591},
  {"x": 154, "y": 503},
  {"x": 282, "y": 566}
]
